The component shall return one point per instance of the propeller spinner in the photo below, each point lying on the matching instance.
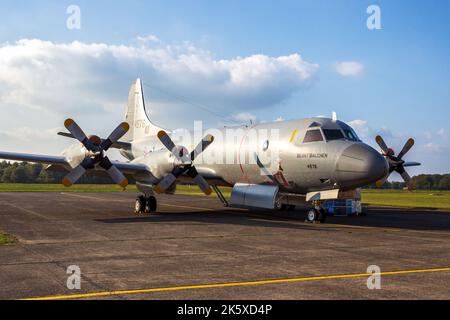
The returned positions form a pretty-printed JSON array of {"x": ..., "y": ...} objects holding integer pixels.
[
  {"x": 96, "y": 153},
  {"x": 184, "y": 163},
  {"x": 396, "y": 162}
]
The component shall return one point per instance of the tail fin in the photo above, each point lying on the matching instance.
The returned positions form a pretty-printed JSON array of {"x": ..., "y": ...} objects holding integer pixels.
[{"x": 136, "y": 116}]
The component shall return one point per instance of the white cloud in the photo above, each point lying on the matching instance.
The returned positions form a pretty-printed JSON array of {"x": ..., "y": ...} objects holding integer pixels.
[
  {"x": 148, "y": 38},
  {"x": 349, "y": 68},
  {"x": 244, "y": 117},
  {"x": 361, "y": 127},
  {"x": 43, "y": 82},
  {"x": 442, "y": 133},
  {"x": 76, "y": 77}
]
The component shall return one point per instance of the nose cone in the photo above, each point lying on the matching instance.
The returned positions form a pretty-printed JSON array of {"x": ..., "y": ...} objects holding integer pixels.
[{"x": 361, "y": 165}]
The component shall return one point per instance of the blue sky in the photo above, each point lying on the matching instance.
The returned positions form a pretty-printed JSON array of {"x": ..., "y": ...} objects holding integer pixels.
[{"x": 401, "y": 90}]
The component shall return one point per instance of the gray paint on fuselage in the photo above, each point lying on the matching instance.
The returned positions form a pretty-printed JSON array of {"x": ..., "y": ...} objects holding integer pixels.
[{"x": 305, "y": 166}]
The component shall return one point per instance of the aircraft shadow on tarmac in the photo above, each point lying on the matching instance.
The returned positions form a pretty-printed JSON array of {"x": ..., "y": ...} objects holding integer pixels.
[{"x": 407, "y": 219}]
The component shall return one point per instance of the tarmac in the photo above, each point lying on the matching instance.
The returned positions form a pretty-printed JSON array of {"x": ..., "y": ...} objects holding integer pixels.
[{"x": 194, "y": 248}]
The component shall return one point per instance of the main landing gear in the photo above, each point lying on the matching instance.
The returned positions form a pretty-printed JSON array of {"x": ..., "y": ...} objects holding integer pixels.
[
  {"x": 318, "y": 214},
  {"x": 145, "y": 205}
]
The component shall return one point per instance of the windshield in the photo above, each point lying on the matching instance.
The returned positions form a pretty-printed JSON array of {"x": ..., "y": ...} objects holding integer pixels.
[
  {"x": 333, "y": 134},
  {"x": 313, "y": 136},
  {"x": 350, "y": 135}
]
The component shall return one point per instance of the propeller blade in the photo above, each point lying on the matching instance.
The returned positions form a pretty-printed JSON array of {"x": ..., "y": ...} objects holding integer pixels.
[
  {"x": 118, "y": 133},
  {"x": 165, "y": 183},
  {"x": 166, "y": 141},
  {"x": 381, "y": 182},
  {"x": 79, "y": 134},
  {"x": 200, "y": 181},
  {"x": 382, "y": 144},
  {"x": 205, "y": 143},
  {"x": 78, "y": 172},
  {"x": 408, "y": 145},
  {"x": 407, "y": 179},
  {"x": 74, "y": 176},
  {"x": 113, "y": 172}
]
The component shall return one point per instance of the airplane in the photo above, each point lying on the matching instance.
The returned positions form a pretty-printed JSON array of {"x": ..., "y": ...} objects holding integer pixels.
[{"x": 316, "y": 159}]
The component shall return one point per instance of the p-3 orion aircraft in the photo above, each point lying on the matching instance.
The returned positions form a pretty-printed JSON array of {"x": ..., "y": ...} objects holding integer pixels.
[{"x": 316, "y": 159}]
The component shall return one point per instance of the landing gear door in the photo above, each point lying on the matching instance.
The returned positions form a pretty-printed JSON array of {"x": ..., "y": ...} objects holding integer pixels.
[{"x": 254, "y": 195}]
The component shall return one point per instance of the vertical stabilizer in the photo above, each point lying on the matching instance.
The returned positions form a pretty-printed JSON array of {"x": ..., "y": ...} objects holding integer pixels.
[{"x": 136, "y": 116}]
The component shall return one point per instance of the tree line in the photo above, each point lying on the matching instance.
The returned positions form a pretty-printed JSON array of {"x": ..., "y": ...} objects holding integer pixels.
[{"x": 35, "y": 173}]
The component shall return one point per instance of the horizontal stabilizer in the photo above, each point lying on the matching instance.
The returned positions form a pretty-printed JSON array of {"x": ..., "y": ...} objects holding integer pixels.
[{"x": 412, "y": 164}]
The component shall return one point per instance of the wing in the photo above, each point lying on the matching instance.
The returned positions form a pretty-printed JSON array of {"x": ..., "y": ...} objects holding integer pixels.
[
  {"x": 44, "y": 159},
  {"x": 60, "y": 163},
  {"x": 209, "y": 175}
]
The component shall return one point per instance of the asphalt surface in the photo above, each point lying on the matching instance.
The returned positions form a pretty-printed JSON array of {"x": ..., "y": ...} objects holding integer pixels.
[{"x": 193, "y": 248}]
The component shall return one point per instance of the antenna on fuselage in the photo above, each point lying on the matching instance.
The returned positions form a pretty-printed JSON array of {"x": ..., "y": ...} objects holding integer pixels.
[{"x": 334, "y": 116}]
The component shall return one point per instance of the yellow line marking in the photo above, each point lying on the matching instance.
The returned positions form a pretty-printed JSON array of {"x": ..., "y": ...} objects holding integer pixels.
[
  {"x": 293, "y": 135},
  {"x": 237, "y": 284}
]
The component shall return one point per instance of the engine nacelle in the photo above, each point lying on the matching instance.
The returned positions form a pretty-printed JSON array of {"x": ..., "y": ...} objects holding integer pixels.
[{"x": 254, "y": 195}]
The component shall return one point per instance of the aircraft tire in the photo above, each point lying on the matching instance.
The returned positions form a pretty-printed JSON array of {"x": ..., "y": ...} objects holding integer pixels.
[
  {"x": 291, "y": 207},
  {"x": 151, "y": 205},
  {"x": 139, "y": 206},
  {"x": 322, "y": 217},
  {"x": 312, "y": 215}
]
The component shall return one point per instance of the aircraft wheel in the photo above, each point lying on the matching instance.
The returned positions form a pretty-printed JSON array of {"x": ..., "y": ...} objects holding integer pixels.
[
  {"x": 322, "y": 215},
  {"x": 291, "y": 207},
  {"x": 312, "y": 215},
  {"x": 151, "y": 205},
  {"x": 139, "y": 206}
]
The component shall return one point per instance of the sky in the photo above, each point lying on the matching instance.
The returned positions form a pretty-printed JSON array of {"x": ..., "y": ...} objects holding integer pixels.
[{"x": 240, "y": 60}]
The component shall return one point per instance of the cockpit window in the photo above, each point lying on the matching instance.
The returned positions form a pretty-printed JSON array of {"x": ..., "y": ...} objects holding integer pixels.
[
  {"x": 333, "y": 134},
  {"x": 313, "y": 136},
  {"x": 350, "y": 135}
]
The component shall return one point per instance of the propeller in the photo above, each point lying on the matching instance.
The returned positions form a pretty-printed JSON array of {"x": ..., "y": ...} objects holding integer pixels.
[
  {"x": 396, "y": 162},
  {"x": 95, "y": 154},
  {"x": 184, "y": 163}
]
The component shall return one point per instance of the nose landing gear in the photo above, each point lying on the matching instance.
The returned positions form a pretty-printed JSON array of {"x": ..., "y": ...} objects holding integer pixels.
[
  {"x": 145, "y": 204},
  {"x": 318, "y": 214}
]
